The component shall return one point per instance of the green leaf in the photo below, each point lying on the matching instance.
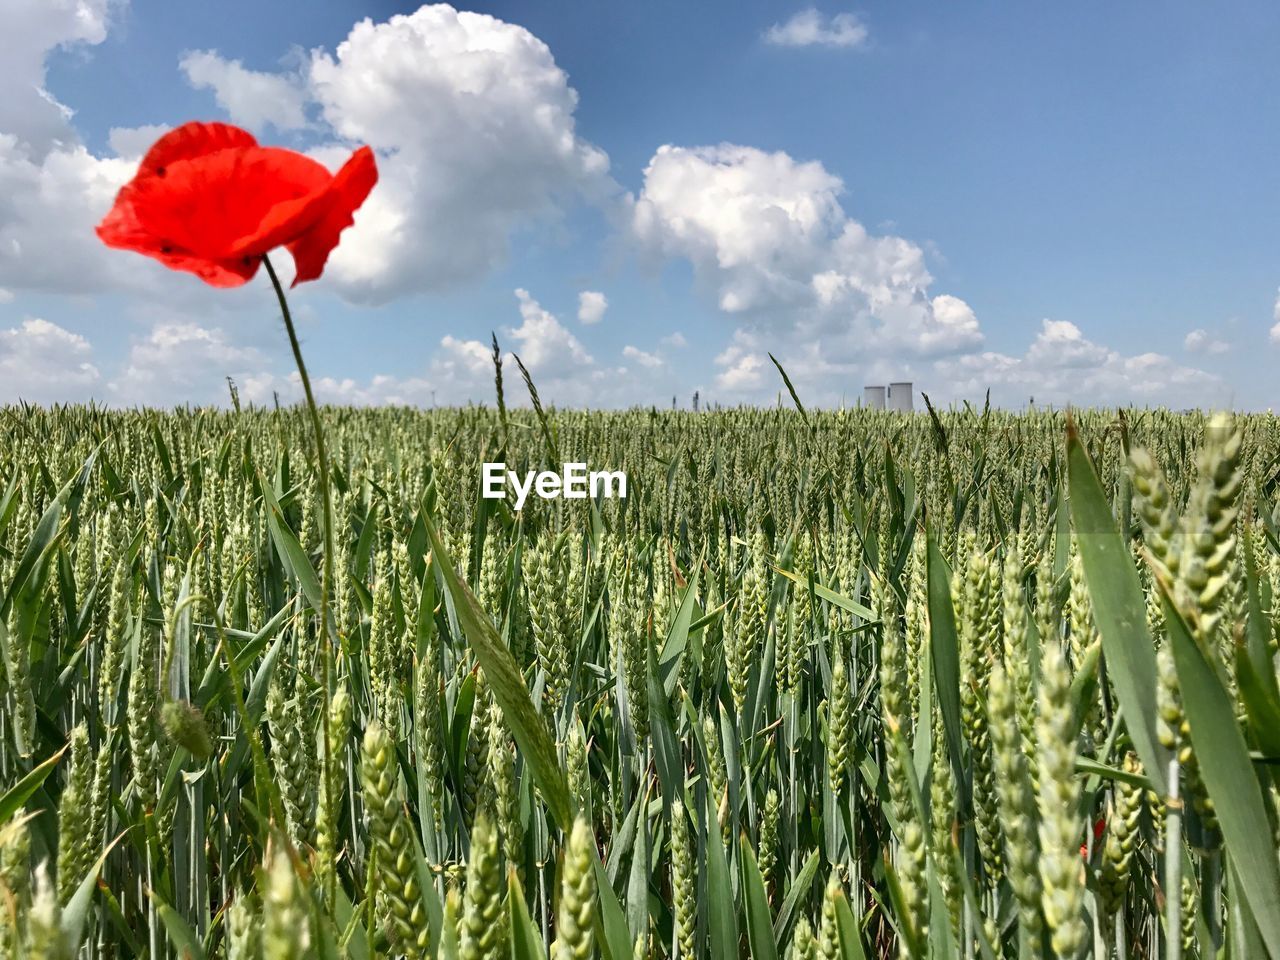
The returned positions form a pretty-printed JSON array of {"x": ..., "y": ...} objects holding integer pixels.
[
  {"x": 1228, "y": 775},
  {"x": 183, "y": 938},
  {"x": 295, "y": 558},
  {"x": 759, "y": 923},
  {"x": 1119, "y": 609},
  {"x": 526, "y": 941},
  {"x": 799, "y": 888},
  {"x": 678, "y": 637},
  {"x": 77, "y": 908},
  {"x": 722, "y": 921},
  {"x": 841, "y": 601},
  {"x": 16, "y": 797},
  {"x": 508, "y": 688},
  {"x": 616, "y": 936},
  {"x": 944, "y": 648},
  {"x": 847, "y": 928}
]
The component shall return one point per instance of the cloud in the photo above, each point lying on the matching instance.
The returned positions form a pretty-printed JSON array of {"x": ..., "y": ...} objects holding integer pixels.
[
  {"x": 675, "y": 339},
  {"x": 767, "y": 236},
  {"x": 810, "y": 28},
  {"x": 183, "y": 362},
  {"x": 546, "y": 346},
  {"x": 34, "y": 29},
  {"x": 48, "y": 209},
  {"x": 474, "y": 122},
  {"x": 1201, "y": 341},
  {"x": 42, "y": 363},
  {"x": 1275, "y": 316},
  {"x": 744, "y": 365},
  {"x": 649, "y": 360},
  {"x": 591, "y": 306},
  {"x": 52, "y": 189},
  {"x": 1062, "y": 366},
  {"x": 252, "y": 98}
]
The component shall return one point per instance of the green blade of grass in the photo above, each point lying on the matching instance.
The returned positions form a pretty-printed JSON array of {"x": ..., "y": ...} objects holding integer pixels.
[
  {"x": 1229, "y": 777},
  {"x": 1119, "y": 609},
  {"x": 508, "y": 687}
]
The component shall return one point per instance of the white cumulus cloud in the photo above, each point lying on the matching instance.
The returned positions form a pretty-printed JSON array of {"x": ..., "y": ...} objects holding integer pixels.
[
  {"x": 1062, "y": 366},
  {"x": 474, "y": 123},
  {"x": 675, "y": 339},
  {"x": 768, "y": 236},
  {"x": 1202, "y": 341},
  {"x": 591, "y": 306},
  {"x": 183, "y": 362},
  {"x": 642, "y": 357},
  {"x": 33, "y": 29},
  {"x": 810, "y": 28},
  {"x": 546, "y": 345},
  {"x": 41, "y": 362},
  {"x": 252, "y": 98}
]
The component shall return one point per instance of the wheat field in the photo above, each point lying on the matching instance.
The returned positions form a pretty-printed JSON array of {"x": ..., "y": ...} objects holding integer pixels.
[{"x": 824, "y": 684}]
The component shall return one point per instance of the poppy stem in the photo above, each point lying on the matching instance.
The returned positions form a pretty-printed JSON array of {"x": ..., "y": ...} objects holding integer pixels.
[{"x": 322, "y": 462}]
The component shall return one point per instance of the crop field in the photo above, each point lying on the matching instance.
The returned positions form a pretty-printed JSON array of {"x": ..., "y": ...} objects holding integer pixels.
[{"x": 821, "y": 685}]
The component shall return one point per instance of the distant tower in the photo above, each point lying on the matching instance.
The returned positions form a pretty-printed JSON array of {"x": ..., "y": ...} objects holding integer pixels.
[
  {"x": 873, "y": 398},
  {"x": 900, "y": 397},
  {"x": 695, "y": 401}
]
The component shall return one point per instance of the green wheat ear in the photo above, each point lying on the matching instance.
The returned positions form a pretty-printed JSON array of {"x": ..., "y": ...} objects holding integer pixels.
[
  {"x": 575, "y": 917},
  {"x": 1061, "y": 826},
  {"x": 286, "y": 927},
  {"x": 483, "y": 924},
  {"x": 392, "y": 840}
]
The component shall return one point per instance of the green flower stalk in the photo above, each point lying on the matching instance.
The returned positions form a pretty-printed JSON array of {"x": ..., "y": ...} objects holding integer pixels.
[
  {"x": 575, "y": 914},
  {"x": 840, "y": 727},
  {"x": 115, "y": 645},
  {"x": 737, "y": 658},
  {"x": 244, "y": 931},
  {"x": 579, "y": 773},
  {"x": 942, "y": 826},
  {"x": 911, "y": 852},
  {"x": 684, "y": 884},
  {"x": 45, "y": 939},
  {"x": 141, "y": 716},
  {"x": 803, "y": 946},
  {"x": 75, "y": 818},
  {"x": 475, "y": 780},
  {"x": 1061, "y": 827},
  {"x": 717, "y": 772},
  {"x": 18, "y": 674},
  {"x": 286, "y": 927},
  {"x": 331, "y": 788},
  {"x": 15, "y": 885},
  {"x": 1017, "y": 803},
  {"x": 428, "y": 736},
  {"x": 769, "y": 822},
  {"x": 1121, "y": 840},
  {"x": 290, "y": 753},
  {"x": 828, "y": 930},
  {"x": 483, "y": 926},
  {"x": 392, "y": 841}
]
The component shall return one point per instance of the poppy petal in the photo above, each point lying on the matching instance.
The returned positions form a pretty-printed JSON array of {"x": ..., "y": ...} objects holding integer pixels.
[
  {"x": 220, "y": 206},
  {"x": 307, "y": 186},
  {"x": 192, "y": 140},
  {"x": 350, "y": 186}
]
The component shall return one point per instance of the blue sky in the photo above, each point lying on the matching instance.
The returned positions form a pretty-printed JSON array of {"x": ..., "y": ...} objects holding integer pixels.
[{"x": 1075, "y": 203}]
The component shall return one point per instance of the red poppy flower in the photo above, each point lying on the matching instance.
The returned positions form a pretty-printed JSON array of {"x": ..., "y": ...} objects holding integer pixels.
[
  {"x": 209, "y": 200},
  {"x": 1099, "y": 828}
]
